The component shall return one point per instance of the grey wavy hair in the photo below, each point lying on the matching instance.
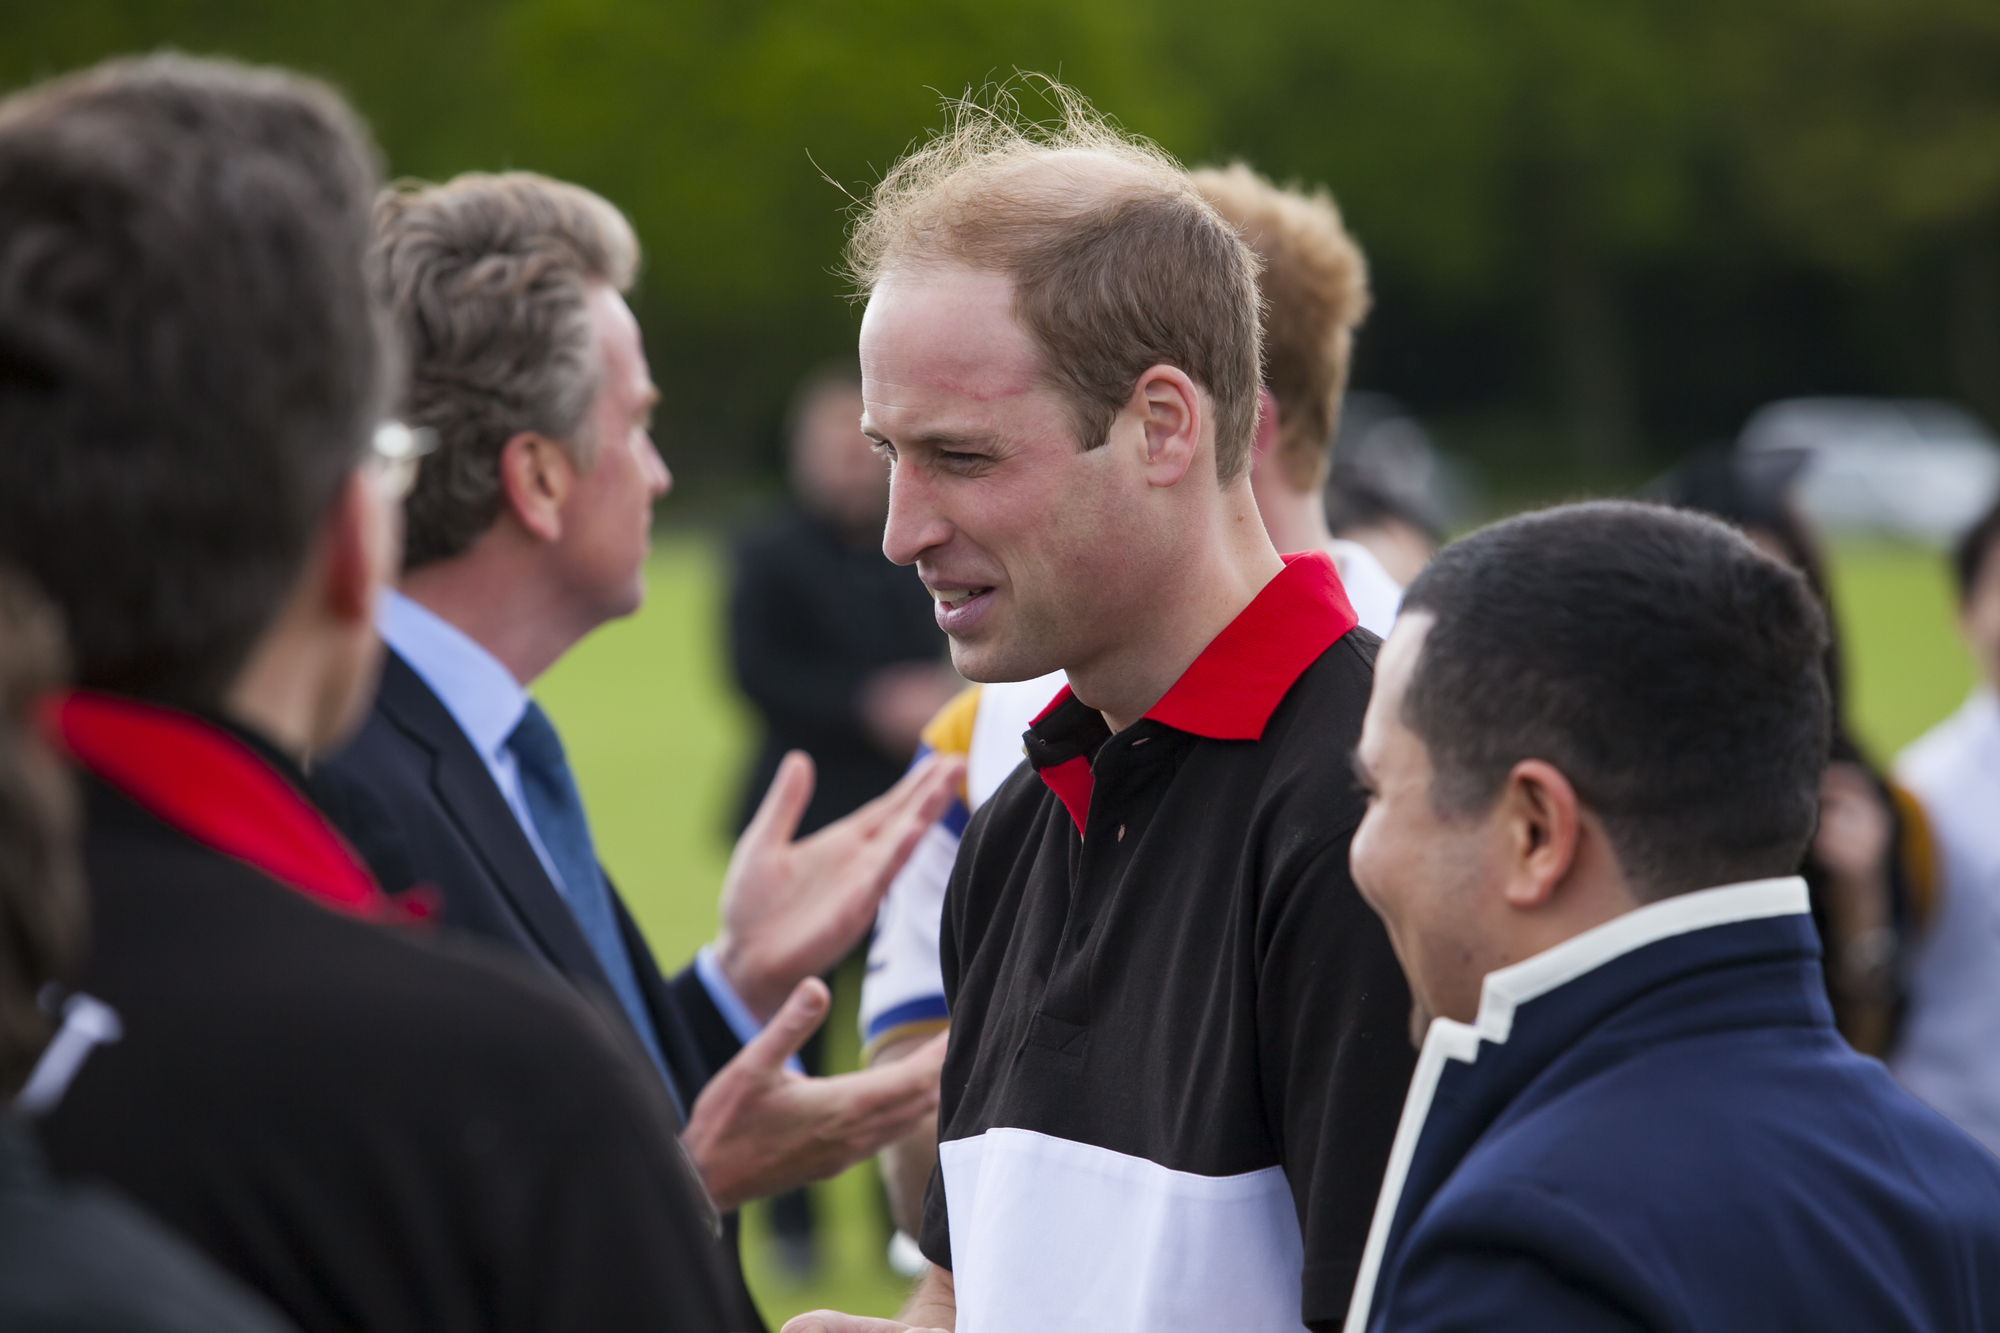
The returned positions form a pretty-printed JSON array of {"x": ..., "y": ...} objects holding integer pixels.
[{"x": 488, "y": 278}]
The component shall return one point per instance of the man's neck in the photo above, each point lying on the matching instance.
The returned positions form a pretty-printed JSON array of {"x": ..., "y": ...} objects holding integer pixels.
[
  {"x": 508, "y": 606},
  {"x": 1194, "y": 600},
  {"x": 1295, "y": 519}
]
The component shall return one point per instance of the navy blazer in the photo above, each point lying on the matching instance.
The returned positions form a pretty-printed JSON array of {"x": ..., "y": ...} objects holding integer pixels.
[
  {"x": 418, "y": 803},
  {"x": 1655, "y": 1126}
]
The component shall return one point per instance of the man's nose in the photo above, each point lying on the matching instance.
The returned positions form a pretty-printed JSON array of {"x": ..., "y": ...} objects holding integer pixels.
[
  {"x": 915, "y": 523},
  {"x": 658, "y": 477}
]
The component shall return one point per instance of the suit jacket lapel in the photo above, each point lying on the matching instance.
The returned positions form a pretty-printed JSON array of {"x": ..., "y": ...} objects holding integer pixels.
[{"x": 466, "y": 790}]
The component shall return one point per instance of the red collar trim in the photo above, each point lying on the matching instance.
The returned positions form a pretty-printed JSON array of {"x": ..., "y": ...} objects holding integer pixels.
[
  {"x": 204, "y": 782},
  {"x": 1230, "y": 691}
]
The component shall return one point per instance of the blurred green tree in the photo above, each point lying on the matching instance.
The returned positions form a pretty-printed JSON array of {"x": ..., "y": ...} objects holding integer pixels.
[{"x": 1866, "y": 134}]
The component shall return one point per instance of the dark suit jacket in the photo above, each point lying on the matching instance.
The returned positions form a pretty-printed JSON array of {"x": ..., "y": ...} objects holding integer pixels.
[
  {"x": 418, "y": 803},
  {"x": 375, "y": 1127},
  {"x": 811, "y": 616},
  {"x": 1678, "y": 1140}
]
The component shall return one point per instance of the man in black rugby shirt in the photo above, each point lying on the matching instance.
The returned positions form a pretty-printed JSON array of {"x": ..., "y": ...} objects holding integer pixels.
[{"x": 1178, "y": 1043}]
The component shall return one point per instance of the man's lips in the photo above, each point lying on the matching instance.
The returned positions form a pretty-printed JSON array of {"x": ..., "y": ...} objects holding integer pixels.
[{"x": 958, "y": 608}]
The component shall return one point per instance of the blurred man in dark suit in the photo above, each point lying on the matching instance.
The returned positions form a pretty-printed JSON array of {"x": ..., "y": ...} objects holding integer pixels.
[{"x": 838, "y": 649}]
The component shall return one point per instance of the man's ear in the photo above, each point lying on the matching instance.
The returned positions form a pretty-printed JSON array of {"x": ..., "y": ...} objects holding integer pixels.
[
  {"x": 1540, "y": 814},
  {"x": 536, "y": 474},
  {"x": 357, "y": 552},
  {"x": 1172, "y": 415}
]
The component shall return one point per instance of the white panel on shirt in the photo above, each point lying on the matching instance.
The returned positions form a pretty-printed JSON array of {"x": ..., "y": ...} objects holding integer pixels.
[{"x": 1048, "y": 1234}]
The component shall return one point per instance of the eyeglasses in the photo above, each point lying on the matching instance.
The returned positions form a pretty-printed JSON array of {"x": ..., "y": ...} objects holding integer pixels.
[{"x": 399, "y": 449}]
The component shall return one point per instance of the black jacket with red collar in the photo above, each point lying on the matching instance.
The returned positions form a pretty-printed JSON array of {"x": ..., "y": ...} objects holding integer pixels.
[
  {"x": 373, "y": 1129},
  {"x": 1179, "y": 1036}
]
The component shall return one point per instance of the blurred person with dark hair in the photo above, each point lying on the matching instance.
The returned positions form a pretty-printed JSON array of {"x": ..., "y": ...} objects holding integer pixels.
[
  {"x": 1379, "y": 488},
  {"x": 1866, "y": 866},
  {"x": 371, "y": 1129},
  {"x": 835, "y": 647},
  {"x": 1946, "y": 1052},
  {"x": 72, "y": 1260},
  {"x": 1361, "y": 510},
  {"x": 528, "y": 528},
  {"x": 1593, "y": 759}
]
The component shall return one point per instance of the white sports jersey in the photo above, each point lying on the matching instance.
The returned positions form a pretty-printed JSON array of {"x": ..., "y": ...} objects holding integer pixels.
[{"x": 1946, "y": 1053}]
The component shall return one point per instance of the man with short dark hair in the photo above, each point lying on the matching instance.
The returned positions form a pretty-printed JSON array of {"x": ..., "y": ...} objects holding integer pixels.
[
  {"x": 374, "y": 1130},
  {"x": 1945, "y": 1052},
  {"x": 1592, "y": 755}
]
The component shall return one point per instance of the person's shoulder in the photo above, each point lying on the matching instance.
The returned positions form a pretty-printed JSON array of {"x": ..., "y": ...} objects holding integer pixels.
[
  {"x": 1375, "y": 596},
  {"x": 1957, "y": 748},
  {"x": 1310, "y": 738}
]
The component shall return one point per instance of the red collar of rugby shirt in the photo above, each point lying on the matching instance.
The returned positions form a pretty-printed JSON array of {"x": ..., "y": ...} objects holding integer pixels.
[
  {"x": 1229, "y": 692},
  {"x": 214, "y": 788}
]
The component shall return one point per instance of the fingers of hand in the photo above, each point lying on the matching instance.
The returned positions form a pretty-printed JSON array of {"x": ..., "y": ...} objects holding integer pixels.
[
  {"x": 796, "y": 1020},
  {"x": 784, "y": 804},
  {"x": 832, "y": 1321}
]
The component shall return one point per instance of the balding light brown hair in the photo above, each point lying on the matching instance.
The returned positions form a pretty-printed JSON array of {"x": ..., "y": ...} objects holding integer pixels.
[
  {"x": 1118, "y": 262},
  {"x": 1315, "y": 286},
  {"x": 488, "y": 279}
]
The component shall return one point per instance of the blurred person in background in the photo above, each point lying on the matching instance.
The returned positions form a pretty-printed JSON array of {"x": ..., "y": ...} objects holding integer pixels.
[
  {"x": 1395, "y": 531},
  {"x": 1947, "y": 1053},
  {"x": 1314, "y": 284},
  {"x": 1868, "y": 864},
  {"x": 529, "y": 527},
  {"x": 72, "y": 1260},
  {"x": 837, "y": 649},
  {"x": 374, "y": 1128},
  {"x": 1382, "y": 488}
]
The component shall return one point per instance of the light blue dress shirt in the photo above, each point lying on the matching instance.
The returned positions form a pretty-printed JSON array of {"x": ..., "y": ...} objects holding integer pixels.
[{"x": 486, "y": 701}]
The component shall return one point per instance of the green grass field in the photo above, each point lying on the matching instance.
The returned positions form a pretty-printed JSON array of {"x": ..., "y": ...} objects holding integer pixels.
[{"x": 659, "y": 742}]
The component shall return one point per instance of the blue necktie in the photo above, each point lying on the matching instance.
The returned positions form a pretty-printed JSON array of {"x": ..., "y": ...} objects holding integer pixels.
[{"x": 558, "y": 814}]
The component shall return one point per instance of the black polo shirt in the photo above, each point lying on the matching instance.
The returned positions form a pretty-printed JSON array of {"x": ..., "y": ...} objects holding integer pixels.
[{"x": 1179, "y": 1036}]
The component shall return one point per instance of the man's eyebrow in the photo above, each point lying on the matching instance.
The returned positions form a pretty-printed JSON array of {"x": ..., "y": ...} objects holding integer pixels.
[{"x": 937, "y": 439}]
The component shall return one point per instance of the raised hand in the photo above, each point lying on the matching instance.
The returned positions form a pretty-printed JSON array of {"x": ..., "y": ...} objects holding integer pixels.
[
  {"x": 792, "y": 909},
  {"x": 758, "y": 1128},
  {"x": 832, "y": 1321}
]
